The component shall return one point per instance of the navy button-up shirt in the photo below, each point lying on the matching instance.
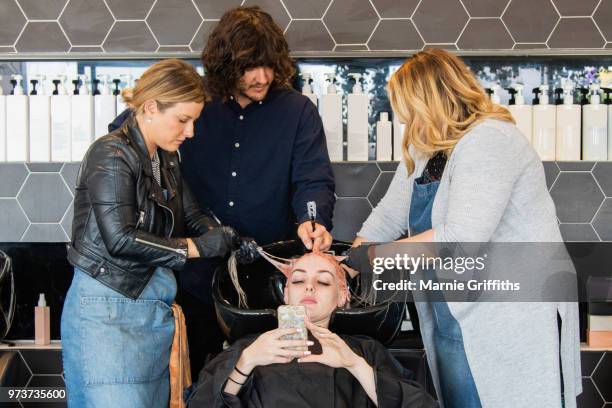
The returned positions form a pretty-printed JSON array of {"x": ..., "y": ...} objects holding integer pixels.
[{"x": 256, "y": 168}]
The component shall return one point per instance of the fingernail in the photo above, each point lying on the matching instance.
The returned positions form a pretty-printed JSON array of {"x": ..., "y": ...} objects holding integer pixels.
[
  {"x": 306, "y": 353},
  {"x": 298, "y": 329},
  {"x": 310, "y": 343}
]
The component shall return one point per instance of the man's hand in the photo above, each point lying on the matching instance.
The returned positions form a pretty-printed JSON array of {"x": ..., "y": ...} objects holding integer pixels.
[{"x": 318, "y": 240}]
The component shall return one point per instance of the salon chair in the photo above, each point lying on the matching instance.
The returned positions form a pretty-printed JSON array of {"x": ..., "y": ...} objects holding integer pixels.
[{"x": 263, "y": 285}]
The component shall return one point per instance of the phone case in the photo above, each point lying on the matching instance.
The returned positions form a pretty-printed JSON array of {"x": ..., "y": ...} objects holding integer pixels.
[{"x": 292, "y": 316}]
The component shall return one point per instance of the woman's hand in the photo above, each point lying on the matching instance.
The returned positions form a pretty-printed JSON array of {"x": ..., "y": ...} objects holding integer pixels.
[
  {"x": 336, "y": 353},
  {"x": 269, "y": 348}
]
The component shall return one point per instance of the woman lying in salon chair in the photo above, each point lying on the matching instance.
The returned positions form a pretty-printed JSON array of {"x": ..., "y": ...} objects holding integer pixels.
[{"x": 268, "y": 371}]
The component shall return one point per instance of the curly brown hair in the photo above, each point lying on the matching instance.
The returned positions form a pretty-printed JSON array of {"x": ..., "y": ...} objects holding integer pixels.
[{"x": 245, "y": 38}]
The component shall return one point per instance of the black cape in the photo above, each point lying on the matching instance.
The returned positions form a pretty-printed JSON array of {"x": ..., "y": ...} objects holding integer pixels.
[{"x": 309, "y": 384}]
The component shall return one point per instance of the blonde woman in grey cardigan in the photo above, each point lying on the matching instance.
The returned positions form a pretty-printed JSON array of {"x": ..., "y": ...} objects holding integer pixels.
[{"x": 469, "y": 175}]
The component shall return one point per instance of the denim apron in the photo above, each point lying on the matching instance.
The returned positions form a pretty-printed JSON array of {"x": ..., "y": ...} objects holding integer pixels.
[
  {"x": 116, "y": 350},
  {"x": 456, "y": 381}
]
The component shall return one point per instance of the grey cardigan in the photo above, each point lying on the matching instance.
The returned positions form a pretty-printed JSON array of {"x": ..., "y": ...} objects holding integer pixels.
[{"x": 493, "y": 189}]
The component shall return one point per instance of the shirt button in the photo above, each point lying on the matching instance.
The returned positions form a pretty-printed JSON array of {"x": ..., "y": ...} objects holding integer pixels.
[
  {"x": 260, "y": 102},
  {"x": 233, "y": 174},
  {"x": 236, "y": 145},
  {"x": 241, "y": 117},
  {"x": 231, "y": 203}
]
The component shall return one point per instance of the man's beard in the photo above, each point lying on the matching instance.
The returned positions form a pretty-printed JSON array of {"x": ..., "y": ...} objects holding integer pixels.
[{"x": 243, "y": 92}]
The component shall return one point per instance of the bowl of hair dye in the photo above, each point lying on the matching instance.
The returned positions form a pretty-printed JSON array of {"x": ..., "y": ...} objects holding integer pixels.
[{"x": 263, "y": 285}]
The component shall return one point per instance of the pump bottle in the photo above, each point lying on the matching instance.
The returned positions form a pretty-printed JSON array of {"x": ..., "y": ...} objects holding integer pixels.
[
  {"x": 608, "y": 92},
  {"x": 82, "y": 118},
  {"x": 129, "y": 81},
  {"x": 522, "y": 114},
  {"x": 17, "y": 122},
  {"x": 105, "y": 106},
  {"x": 331, "y": 115},
  {"x": 357, "y": 122},
  {"x": 544, "y": 119},
  {"x": 61, "y": 123},
  {"x": 2, "y": 124},
  {"x": 594, "y": 128},
  {"x": 42, "y": 322},
  {"x": 307, "y": 88},
  {"x": 384, "y": 142},
  {"x": 568, "y": 126},
  {"x": 40, "y": 121}
]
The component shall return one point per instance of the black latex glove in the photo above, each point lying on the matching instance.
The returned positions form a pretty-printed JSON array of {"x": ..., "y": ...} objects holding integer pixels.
[
  {"x": 217, "y": 241},
  {"x": 247, "y": 251},
  {"x": 359, "y": 259}
]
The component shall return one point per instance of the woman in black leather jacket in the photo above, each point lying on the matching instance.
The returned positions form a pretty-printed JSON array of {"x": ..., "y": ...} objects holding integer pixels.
[{"x": 132, "y": 212}]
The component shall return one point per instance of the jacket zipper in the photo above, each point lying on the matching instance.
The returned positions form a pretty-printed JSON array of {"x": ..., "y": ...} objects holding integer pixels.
[
  {"x": 153, "y": 244},
  {"x": 140, "y": 220}
]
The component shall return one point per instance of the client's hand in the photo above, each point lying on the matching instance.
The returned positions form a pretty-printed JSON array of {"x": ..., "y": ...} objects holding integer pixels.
[
  {"x": 269, "y": 348},
  {"x": 217, "y": 241},
  {"x": 336, "y": 353},
  {"x": 318, "y": 240}
]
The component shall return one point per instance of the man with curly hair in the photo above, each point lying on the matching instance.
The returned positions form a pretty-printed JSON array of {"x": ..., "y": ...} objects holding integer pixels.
[{"x": 258, "y": 156}]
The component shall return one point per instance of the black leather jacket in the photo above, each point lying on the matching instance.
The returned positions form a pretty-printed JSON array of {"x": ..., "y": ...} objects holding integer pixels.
[{"x": 124, "y": 227}]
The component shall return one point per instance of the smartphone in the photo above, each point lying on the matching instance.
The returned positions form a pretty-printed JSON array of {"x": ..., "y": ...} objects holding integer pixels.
[{"x": 292, "y": 317}]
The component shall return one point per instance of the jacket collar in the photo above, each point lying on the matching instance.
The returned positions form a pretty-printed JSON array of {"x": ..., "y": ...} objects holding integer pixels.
[{"x": 168, "y": 160}]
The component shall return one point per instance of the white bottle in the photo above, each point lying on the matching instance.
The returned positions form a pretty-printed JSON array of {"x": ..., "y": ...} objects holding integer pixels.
[
  {"x": 121, "y": 105},
  {"x": 82, "y": 119},
  {"x": 608, "y": 91},
  {"x": 495, "y": 98},
  {"x": 307, "y": 88},
  {"x": 105, "y": 106},
  {"x": 594, "y": 128},
  {"x": 384, "y": 142},
  {"x": 568, "y": 144},
  {"x": 357, "y": 122},
  {"x": 330, "y": 109},
  {"x": 398, "y": 137},
  {"x": 522, "y": 114},
  {"x": 544, "y": 119},
  {"x": 2, "y": 124},
  {"x": 40, "y": 121},
  {"x": 61, "y": 124},
  {"x": 17, "y": 122}
]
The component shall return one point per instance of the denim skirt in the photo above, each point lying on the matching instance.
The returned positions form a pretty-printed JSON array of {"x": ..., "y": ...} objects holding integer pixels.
[{"x": 115, "y": 349}]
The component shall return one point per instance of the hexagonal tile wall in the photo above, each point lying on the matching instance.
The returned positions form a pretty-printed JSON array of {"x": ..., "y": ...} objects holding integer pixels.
[
  {"x": 603, "y": 220},
  {"x": 395, "y": 9},
  {"x": 42, "y": 36},
  {"x": 485, "y": 8},
  {"x": 577, "y": 197},
  {"x": 12, "y": 176},
  {"x": 396, "y": 34},
  {"x": 306, "y": 8},
  {"x": 349, "y": 215},
  {"x": 42, "y": 10},
  {"x": 48, "y": 189},
  {"x": 497, "y": 35},
  {"x": 603, "y": 18},
  {"x": 351, "y": 21},
  {"x": 13, "y": 220},
  {"x": 130, "y": 10},
  {"x": 359, "y": 178},
  {"x": 130, "y": 36},
  {"x": 213, "y": 9},
  {"x": 174, "y": 10},
  {"x": 440, "y": 21},
  {"x": 199, "y": 39},
  {"x": 86, "y": 22},
  {"x": 12, "y": 21},
  {"x": 576, "y": 8},
  {"x": 576, "y": 33},
  {"x": 305, "y": 35},
  {"x": 530, "y": 21}
]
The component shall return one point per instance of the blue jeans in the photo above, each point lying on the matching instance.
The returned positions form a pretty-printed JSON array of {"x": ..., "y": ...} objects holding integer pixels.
[{"x": 116, "y": 350}]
